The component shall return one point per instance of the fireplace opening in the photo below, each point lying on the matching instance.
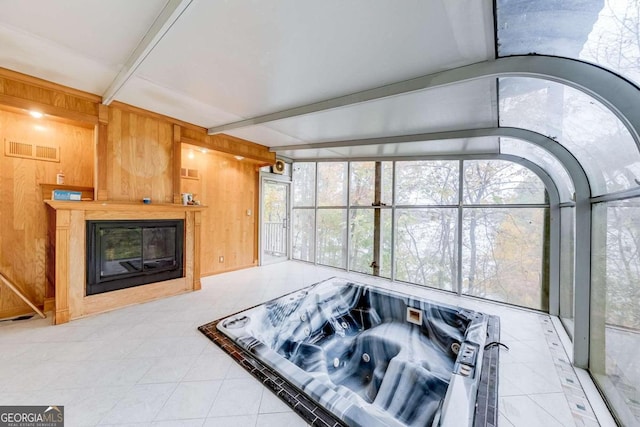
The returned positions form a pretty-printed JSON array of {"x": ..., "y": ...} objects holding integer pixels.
[{"x": 123, "y": 254}]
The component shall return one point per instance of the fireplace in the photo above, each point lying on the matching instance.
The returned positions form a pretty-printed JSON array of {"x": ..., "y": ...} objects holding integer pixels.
[{"x": 123, "y": 254}]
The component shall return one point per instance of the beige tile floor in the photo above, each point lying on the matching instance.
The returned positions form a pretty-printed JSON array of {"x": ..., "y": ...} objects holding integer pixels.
[{"x": 147, "y": 365}]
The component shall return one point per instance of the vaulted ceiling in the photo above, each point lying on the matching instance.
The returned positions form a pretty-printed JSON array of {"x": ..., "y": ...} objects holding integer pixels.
[{"x": 216, "y": 62}]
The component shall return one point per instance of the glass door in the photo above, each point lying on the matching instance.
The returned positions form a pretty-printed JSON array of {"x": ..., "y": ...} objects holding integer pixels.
[{"x": 275, "y": 221}]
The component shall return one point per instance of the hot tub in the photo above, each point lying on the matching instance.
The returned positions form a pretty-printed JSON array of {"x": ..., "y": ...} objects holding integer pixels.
[{"x": 368, "y": 356}]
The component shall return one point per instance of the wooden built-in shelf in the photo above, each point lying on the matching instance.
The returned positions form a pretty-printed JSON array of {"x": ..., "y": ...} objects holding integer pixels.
[
  {"x": 47, "y": 189},
  {"x": 67, "y": 257}
]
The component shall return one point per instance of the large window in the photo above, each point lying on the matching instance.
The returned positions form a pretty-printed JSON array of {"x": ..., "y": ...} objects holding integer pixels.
[
  {"x": 370, "y": 191},
  {"x": 304, "y": 234},
  {"x": 426, "y": 247},
  {"x": 502, "y": 244},
  {"x": 332, "y": 184},
  {"x": 363, "y": 241},
  {"x": 502, "y": 255},
  {"x": 567, "y": 251},
  {"x": 477, "y": 227},
  {"x": 615, "y": 311},
  {"x": 427, "y": 182},
  {"x": 304, "y": 214}
]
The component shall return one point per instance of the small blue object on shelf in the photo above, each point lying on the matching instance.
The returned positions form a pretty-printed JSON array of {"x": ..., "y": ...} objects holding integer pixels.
[
  {"x": 146, "y": 200},
  {"x": 66, "y": 195}
]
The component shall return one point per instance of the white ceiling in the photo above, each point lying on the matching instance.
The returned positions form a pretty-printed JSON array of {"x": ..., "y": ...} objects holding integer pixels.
[
  {"x": 438, "y": 109},
  {"x": 224, "y": 61}
]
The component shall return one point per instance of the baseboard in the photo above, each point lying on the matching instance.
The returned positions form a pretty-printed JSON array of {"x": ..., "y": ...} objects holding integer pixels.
[
  {"x": 49, "y": 304},
  {"x": 228, "y": 270}
]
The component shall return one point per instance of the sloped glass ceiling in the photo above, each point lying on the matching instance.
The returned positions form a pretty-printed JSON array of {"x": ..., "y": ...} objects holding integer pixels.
[
  {"x": 545, "y": 160},
  {"x": 602, "y": 32},
  {"x": 590, "y": 131}
]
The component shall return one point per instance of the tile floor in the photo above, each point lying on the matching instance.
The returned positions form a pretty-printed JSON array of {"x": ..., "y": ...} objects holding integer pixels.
[{"x": 147, "y": 365}]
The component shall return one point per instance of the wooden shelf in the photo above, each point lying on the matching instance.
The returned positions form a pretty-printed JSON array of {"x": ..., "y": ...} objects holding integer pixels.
[
  {"x": 47, "y": 189},
  {"x": 138, "y": 207}
]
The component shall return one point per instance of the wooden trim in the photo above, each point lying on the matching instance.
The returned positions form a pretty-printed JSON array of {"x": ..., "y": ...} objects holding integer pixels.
[
  {"x": 21, "y": 295},
  {"x": 189, "y": 246},
  {"x": 70, "y": 255},
  {"x": 102, "y": 156},
  {"x": 25, "y": 78},
  {"x": 227, "y": 270},
  {"x": 256, "y": 219},
  {"x": 136, "y": 208},
  {"x": 51, "y": 118},
  {"x": 63, "y": 243},
  {"x": 195, "y": 137},
  {"x": 130, "y": 214},
  {"x": 53, "y": 110},
  {"x": 136, "y": 110},
  {"x": 49, "y": 304},
  {"x": 235, "y": 146},
  {"x": 177, "y": 163},
  {"x": 197, "y": 230},
  {"x": 108, "y": 301},
  {"x": 102, "y": 153},
  {"x": 103, "y": 114}
]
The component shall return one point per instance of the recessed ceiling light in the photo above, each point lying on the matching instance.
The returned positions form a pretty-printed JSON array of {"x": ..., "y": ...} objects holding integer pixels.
[
  {"x": 36, "y": 114},
  {"x": 204, "y": 150},
  {"x": 239, "y": 157}
]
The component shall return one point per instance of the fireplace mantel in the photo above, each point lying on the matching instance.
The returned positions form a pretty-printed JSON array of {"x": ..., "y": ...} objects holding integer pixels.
[{"x": 66, "y": 257}]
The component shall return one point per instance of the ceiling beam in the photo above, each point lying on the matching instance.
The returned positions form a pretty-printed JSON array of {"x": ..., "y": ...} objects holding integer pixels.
[
  {"x": 417, "y": 137},
  {"x": 573, "y": 167},
  {"x": 619, "y": 95},
  {"x": 165, "y": 20},
  {"x": 429, "y": 81}
]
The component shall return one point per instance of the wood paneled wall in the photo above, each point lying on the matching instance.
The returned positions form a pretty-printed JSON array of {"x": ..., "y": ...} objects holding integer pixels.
[
  {"x": 23, "y": 220},
  {"x": 139, "y": 157},
  {"x": 229, "y": 189},
  {"x": 26, "y": 92},
  {"x": 126, "y": 154}
]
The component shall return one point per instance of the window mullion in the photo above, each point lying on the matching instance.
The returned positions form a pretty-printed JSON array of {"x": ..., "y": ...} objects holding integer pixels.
[{"x": 459, "y": 227}]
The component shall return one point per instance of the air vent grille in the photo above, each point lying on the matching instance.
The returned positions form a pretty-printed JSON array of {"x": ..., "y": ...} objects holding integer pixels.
[
  {"x": 31, "y": 151},
  {"x": 47, "y": 153},
  {"x": 18, "y": 149},
  {"x": 189, "y": 173}
]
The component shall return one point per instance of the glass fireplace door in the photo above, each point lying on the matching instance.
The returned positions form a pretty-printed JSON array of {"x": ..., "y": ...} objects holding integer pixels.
[
  {"x": 121, "y": 249},
  {"x": 122, "y": 253}
]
